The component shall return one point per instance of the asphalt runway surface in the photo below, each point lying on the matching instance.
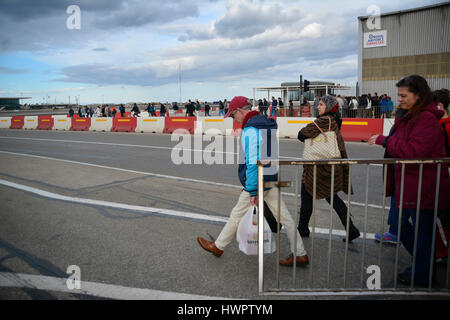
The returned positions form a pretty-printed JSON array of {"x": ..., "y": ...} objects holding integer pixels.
[{"x": 116, "y": 206}]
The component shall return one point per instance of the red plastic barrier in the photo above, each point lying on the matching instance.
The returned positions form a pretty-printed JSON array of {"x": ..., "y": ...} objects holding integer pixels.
[
  {"x": 80, "y": 124},
  {"x": 357, "y": 129},
  {"x": 306, "y": 111},
  {"x": 17, "y": 122},
  {"x": 173, "y": 123},
  {"x": 45, "y": 123},
  {"x": 124, "y": 124}
]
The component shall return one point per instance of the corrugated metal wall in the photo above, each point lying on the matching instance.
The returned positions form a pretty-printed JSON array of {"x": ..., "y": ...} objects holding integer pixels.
[
  {"x": 410, "y": 33},
  {"x": 413, "y": 33}
]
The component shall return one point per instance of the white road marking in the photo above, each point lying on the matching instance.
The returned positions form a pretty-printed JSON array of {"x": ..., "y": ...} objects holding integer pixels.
[
  {"x": 143, "y": 146},
  {"x": 169, "y": 177},
  {"x": 20, "y": 280},
  {"x": 167, "y": 212}
]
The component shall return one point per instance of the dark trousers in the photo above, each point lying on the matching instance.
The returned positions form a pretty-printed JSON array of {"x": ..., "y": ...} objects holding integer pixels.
[
  {"x": 307, "y": 209},
  {"x": 424, "y": 240}
]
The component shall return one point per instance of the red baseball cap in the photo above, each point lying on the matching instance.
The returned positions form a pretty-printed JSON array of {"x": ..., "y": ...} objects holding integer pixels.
[{"x": 236, "y": 103}]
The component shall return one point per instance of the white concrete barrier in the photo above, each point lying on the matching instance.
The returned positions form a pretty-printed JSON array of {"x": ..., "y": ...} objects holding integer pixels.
[
  {"x": 101, "y": 124},
  {"x": 387, "y": 125},
  {"x": 152, "y": 124},
  {"x": 5, "y": 122},
  {"x": 219, "y": 124},
  {"x": 289, "y": 127},
  {"x": 62, "y": 123},
  {"x": 30, "y": 123}
]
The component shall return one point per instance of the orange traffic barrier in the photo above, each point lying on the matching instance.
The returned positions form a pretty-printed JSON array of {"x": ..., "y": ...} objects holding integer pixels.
[
  {"x": 358, "y": 129},
  {"x": 45, "y": 123},
  {"x": 173, "y": 123},
  {"x": 124, "y": 124},
  {"x": 17, "y": 122},
  {"x": 80, "y": 124}
]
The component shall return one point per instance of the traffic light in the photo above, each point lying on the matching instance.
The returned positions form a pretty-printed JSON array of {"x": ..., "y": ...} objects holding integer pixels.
[{"x": 305, "y": 86}]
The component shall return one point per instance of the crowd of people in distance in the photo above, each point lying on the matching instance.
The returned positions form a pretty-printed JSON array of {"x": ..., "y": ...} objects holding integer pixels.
[{"x": 364, "y": 106}]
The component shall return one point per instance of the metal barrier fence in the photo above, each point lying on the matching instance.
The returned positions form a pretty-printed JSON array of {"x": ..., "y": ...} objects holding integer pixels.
[
  {"x": 375, "y": 112},
  {"x": 307, "y": 284}
]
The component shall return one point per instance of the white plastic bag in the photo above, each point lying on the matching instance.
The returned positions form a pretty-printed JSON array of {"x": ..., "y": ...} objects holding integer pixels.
[{"x": 247, "y": 234}]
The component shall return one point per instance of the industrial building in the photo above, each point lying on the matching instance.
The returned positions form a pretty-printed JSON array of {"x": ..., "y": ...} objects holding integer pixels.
[
  {"x": 10, "y": 103},
  {"x": 403, "y": 43}
]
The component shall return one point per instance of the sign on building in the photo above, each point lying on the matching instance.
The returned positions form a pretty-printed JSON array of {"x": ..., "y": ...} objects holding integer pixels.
[{"x": 375, "y": 39}]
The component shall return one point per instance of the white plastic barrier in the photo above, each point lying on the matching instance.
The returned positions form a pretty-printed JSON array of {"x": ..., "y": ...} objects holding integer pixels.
[
  {"x": 220, "y": 125},
  {"x": 62, "y": 123},
  {"x": 387, "y": 125},
  {"x": 30, "y": 123},
  {"x": 5, "y": 122},
  {"x": 289, "y": 127},
  {"x": 101, "y": 124},
  {"x": 152, "y": 124}
]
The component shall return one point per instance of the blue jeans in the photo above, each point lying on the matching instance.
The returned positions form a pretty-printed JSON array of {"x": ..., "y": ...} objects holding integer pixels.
[
  {"x": 221, "y": 113},
  {"x": 274, "y": 110},
  {"x": 393, "y": 218}
]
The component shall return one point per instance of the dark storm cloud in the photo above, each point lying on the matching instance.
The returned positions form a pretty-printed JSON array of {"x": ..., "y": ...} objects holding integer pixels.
[{"x": 41, "y": 25}]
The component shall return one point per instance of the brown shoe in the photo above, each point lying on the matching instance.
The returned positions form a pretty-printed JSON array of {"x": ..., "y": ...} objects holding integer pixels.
[
  {"x": 300, "y": 260},
  {"x": 209, "y": 246}
]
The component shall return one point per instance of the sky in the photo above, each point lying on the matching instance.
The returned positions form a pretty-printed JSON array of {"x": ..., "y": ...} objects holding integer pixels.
[{"x": 125, "y": 51}]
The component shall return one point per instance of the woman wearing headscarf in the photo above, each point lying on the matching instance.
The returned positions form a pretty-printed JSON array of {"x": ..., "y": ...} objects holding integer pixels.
[
  {"x": 417, "y": 135},
  {"x": 328, "y": 109}
]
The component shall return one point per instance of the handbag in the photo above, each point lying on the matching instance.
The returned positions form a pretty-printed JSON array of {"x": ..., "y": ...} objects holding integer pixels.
[
  {"x": 324, "y": 146},
  {"x": 247, "y": 234}
]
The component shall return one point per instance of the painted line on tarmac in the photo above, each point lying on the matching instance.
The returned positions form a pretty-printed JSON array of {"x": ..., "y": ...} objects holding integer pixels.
[
  {"x": 96, "y": 289},
  {"x": 170, "y": 177},
  {"x": 144, "y": 146},
  {"x": 130, "y": 145},
  {"x": 166, "y": 212}
]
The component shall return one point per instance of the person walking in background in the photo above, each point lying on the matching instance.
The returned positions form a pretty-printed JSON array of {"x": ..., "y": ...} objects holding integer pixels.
[
  {"x": 190, "y": 109},
  {"x": 254, "y": 128},
  {"x": 265, "y": 107},
  {"x": 151, "y": 110},
  {"x": 362, "y": 106},
  {"x": 71, "y": 112},
  {"x": 353, "y": 107},
  {"x": 122, "y": 110},
  {"x": 375, "y": 105},
  {"x": 389, "y": 107},
  {"x": 328, "y": 109},
  {"x": 135, "y": 111},
  {"x": 207, "y": 108},
  {"x": 274, "y": 108},
  {"x": 162, "y": 110},
  {"x": 417, "y": 135},
  {"x": 291, "y": 108},
  {"x": 221, "y": 108}
]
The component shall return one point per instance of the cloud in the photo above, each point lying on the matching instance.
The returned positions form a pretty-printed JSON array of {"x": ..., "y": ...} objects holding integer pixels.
[
  {"x": 100, "y": 49},
  {"x": 244, "y": 19},
  {"x": 10, "y": 71}
]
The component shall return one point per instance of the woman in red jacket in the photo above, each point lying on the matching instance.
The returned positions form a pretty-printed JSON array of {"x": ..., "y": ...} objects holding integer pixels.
[{"x": 417, "y": 135}]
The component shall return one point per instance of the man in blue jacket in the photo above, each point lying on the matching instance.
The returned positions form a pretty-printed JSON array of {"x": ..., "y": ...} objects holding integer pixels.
[{"x": 256, "y": 143}]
